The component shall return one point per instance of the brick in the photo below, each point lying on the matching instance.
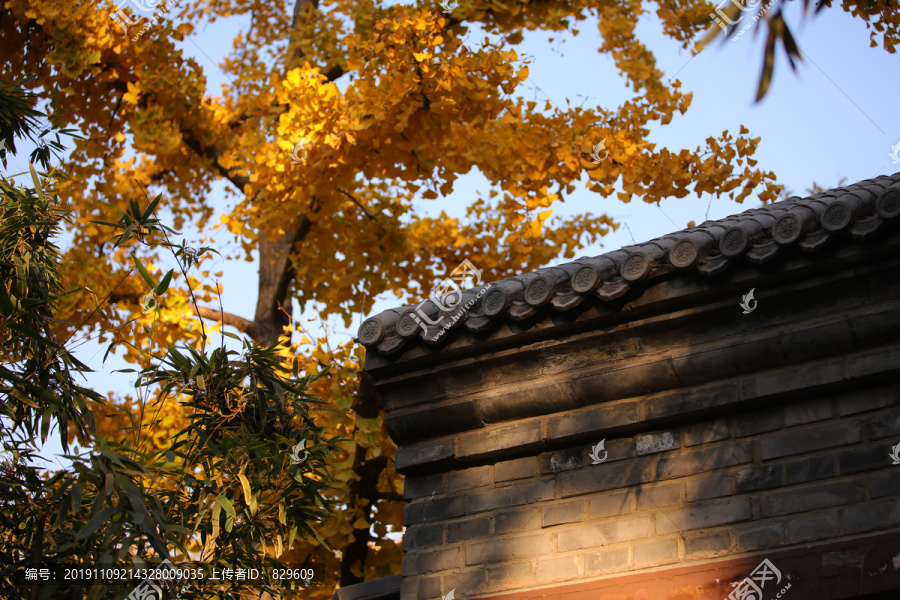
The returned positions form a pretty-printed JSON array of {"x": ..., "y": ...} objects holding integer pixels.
[
  {"x": 422, "y": 453},
  {"x": 810, "y": 469},
  {"x": 713, "y": 431},
  {"x": 409, "y": 588},
  {"x": 876, "y": 362},
  {"x": 885, "y": 484},
  {"x": 704, "y": 459},
  {"x": 419, "y": 536},
  {"x": 507, "y": 549},
  {"x": 740, "y": 356},
  {"x": 759, "y": 537},
  {"x": 505, "y": 576},
  {"x": 802, "y": 528},
  {"x": 419, "y": 487},
  {"x": 823, "y": 495},
  {"x": 708, "y": 545},
  {"x": 516, "y": 520},
  {"x": 429, "y": 587},
  {"x": 564, "y": 460},
  {"x": 556, "y": 568},
  {"x": 882, "y": 425},
  {"x": 759, "y": 477},
  {"x": 684, "y": 403},
  {"x": 439, "y": 560},
  {"x": 434, "y": 510},
  {"x": 627, "y": 379},
  {"x": 520, "y": 468},
  {"x": 469, "y": 478},
  {"x": 655, "y": 552},
  {"x": 865, "y": 400},
  {"x": 712, "y": 486},
  {"x": 608, "y": 505},
  {"x": 758, "y": 422},
  {"x": 605, "y": 561},
  {"x": 869, "y": 516},
  {"x": 651, "y": 443},
  {"x": 863, "y": 459},
  {"x": 566, "y": 512},
  {"x": 805, "y": 379},
  {"x": 587, "y": 536},
  {"x": 466, "y": 579},
  {"x": 805, "y": 344},
  {"x": 657, "y": 494},
  {"x": 493, "y": 440},
  {"x": 808, "y": 440},
  {"x": 468, "y": 529},
  {"x": 595, "y": 419},
  {"x": 602, "y": 477},
  {"x": 698, "y": 516},
  {"x": 512, "y": 495},
  {"x": 807, "y": 412}
]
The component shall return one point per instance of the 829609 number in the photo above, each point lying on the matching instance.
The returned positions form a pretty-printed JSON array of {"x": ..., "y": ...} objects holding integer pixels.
[{"x": 293, "y": 574}]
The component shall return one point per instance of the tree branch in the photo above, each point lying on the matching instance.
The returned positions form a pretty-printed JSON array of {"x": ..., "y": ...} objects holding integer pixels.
[{"x": 239, "y": 323}]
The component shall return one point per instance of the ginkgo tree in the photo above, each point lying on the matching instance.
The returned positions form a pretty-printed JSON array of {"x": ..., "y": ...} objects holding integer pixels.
[{"x": 324, "y": 181}]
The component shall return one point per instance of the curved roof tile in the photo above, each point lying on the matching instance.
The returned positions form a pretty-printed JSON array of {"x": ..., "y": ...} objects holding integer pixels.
[{"x": 758, "y": 235}]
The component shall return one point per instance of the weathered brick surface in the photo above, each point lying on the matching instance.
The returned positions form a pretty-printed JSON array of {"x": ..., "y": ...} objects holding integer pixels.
[
  {"x": 807, "y": 412},
  {"x": 810, "y": 469},
  {"x": 521, "y": 519},
  {"x": 883, "y": 424},
  {"x": 557, "y": 568},
  {"x": 418, "y": 536},
  {"x": 703, "y": 433},
  {"x": 651, "y": 443},
  {"x": 820, "y": 525},
  {"x": 512, "y": 495},
  {"x": 655, "y": 552},
  {"x": 468, "y": 529},
  {"x": 587, "y": 536},
  {"x": 605, "y": 417},
  {"x": 521, "y": 468},
  {"x": 657, "y": 495},
  {"x": 759, "y": 422},
  {"x": 709, "y": 486},
  {"x": 507, "y": 549},
  {"x": 869, "y": 516},
  {"x": 434, "y": 510},
  {"x": 496, "y": 439},
  {"x": 708, "y": 545},
  {"x": 867, "y": 399},
  {"x": 868, "y": 458},
  {"x": 416, "y": 487},
  {"x": 566, "y": 512},
  {"x": 469, "y": 478},
  {"x": 603, "y": 561},
  {"x": 507, "y": 576},
  {"x": 760, "y": 477},
  {"x": 704, "y": 515},
  {"x": 438, "y": 560},
  {"x": 885, "y": 484},
  {"x": 758, "y": 537},
  {"x": 809, "y": 498},
  {"x": 611, "y": 504},
  {"x": 598, "y": 478},
  {"x": 704, "y": 459},
  {"x": 808, "y": 440},
  {"x": 564, "y": 460}
]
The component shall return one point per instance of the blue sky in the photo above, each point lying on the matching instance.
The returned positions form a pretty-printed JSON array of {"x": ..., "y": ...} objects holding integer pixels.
[{"x": 835, "y": 118}]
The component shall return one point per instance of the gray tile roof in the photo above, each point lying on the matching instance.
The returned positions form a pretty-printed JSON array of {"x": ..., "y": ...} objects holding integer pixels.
[{"x": 760, "y": 235}]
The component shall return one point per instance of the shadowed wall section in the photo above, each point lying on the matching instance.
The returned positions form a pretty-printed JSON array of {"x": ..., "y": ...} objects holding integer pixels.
[{"x": 728, "y": 438}]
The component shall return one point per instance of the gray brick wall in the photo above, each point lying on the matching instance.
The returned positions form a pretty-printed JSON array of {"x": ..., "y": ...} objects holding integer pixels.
[{"x": 759, "y": 480}]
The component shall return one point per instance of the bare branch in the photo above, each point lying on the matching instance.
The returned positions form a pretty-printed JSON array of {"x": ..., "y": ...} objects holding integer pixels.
[{"x": 241, "y": 324}]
